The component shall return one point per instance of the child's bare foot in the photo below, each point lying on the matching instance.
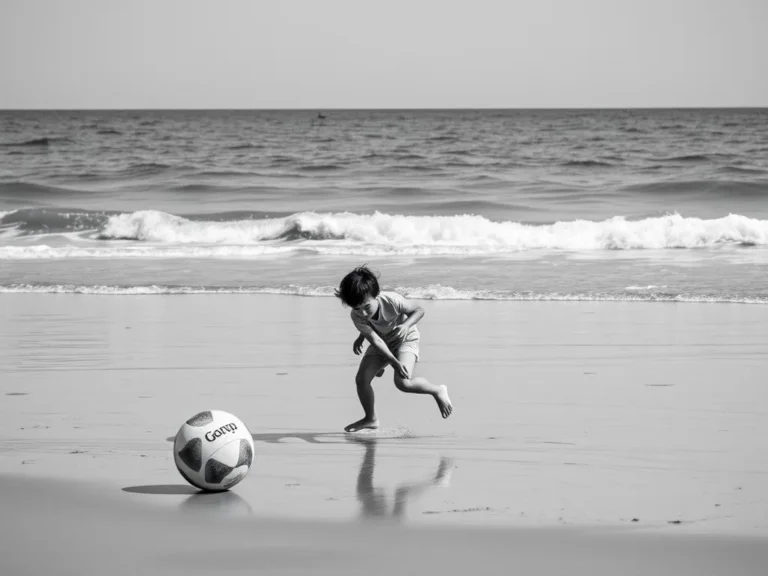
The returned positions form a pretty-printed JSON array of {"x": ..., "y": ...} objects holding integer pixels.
[
  {"x": 443, "y": 401},
  {"x": 380, "y": 373},
  {"x": 363, "y": 424}
]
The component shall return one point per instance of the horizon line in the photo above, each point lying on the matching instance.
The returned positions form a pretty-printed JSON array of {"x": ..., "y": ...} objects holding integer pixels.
[{"x": 366, "y": 109}]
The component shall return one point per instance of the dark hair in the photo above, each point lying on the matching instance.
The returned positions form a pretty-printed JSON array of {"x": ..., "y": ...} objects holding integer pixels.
[{"x": 356, "y": 285}]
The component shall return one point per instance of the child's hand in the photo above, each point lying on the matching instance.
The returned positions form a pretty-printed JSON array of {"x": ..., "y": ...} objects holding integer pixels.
[
  {"x": 357, "y": 345},
  {"x": 400, "y": 331},
  {"x": 401, "y": 369}
]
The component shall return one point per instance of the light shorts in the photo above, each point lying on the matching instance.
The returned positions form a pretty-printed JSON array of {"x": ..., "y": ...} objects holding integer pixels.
[{"x": 410, "y": 344}]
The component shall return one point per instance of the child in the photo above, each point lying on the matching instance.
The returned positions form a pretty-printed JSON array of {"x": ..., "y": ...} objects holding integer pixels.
[{"x": 388, "y": 322}]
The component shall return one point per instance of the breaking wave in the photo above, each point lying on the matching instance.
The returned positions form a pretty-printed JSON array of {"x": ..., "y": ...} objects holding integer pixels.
[
  {"x": 396, "y": 232},
  {"x": 61, "y": 233}
]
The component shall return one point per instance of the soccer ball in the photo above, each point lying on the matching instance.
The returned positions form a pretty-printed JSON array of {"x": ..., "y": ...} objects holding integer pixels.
[{"x": 213, "y": 450}]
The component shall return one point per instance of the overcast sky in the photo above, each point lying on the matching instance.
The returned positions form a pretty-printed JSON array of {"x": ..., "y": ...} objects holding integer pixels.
[{"x": 323, "y": 54}]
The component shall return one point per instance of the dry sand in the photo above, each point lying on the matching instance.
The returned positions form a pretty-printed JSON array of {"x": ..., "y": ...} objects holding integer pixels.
[{"x": 592, "y": 438}]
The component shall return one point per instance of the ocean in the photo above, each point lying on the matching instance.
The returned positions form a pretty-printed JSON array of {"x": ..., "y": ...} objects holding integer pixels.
[{"x": 646, "y": 205}]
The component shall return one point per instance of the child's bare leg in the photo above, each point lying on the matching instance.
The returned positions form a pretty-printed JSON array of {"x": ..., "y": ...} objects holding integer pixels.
[
  {"x": 365, "y": 374},
  {"x": 417, "y": 385}
]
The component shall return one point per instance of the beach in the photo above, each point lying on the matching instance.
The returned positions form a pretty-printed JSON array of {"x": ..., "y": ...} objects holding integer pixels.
[
  {"x": 595, "y": 298},
  {"x": 556, "y": 213},
  {"x": 629, "y": 429}
]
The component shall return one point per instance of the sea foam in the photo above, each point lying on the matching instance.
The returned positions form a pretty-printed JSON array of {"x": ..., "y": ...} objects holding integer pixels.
[
  {"x": 383, "y": 233},
  {"x": 430, "y": 292}
]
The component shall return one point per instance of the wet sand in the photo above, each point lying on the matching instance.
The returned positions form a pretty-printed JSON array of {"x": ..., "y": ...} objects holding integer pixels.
[
  {"x": 65, "y": 530},
  {"x": 635, "y": 430}
]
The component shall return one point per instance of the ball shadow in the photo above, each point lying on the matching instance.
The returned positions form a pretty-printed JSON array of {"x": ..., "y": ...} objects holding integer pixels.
[
  {"x": 309, "y": 437},
  {"x": 166, "y": 489}
]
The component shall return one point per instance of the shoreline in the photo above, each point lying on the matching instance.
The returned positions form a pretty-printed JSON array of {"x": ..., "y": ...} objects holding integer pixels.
[{"x": 436, "y": 294}]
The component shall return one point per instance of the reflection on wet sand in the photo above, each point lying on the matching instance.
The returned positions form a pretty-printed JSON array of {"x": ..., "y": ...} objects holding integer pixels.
[
  {"x": 375, "y": 502},
  {"x": 219, "y": 504},
  {"x": 373, "y": 499}
]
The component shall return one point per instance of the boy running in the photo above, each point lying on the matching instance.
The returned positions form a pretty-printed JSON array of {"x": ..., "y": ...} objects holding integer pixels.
[{"x": 388, "y": 321}]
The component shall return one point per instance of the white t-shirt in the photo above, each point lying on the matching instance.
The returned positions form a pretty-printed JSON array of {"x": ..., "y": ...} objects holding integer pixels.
[{"x": 391, "y": 313}]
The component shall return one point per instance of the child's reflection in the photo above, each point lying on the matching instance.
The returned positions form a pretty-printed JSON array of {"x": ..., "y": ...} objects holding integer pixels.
[{"x": 374, "y": 500}]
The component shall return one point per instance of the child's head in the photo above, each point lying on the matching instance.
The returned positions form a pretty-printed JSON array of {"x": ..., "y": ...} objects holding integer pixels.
[{"x": 357, "y": 286}]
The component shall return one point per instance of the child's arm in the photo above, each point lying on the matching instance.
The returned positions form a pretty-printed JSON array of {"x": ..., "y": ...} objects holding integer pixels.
[
  {"x": 381, "y": 346},
  {"x": 414, "y": 313},
  {"x": 357, "y": 345}
]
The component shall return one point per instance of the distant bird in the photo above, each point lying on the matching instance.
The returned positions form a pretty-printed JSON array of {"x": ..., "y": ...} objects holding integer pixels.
[{"x": 321, "y": 116}]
